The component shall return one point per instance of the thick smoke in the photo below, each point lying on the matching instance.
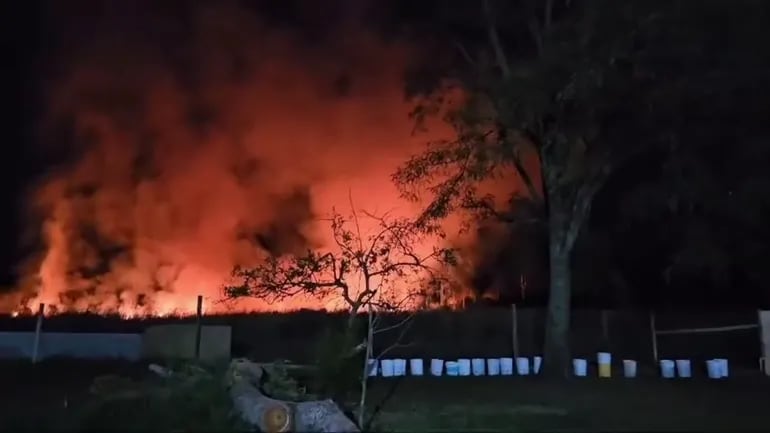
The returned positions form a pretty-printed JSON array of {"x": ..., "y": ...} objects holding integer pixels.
[{"x": 201, "y": 138}]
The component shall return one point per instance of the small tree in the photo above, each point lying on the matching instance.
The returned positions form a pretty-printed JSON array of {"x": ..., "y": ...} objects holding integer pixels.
[{"x": 375, "y": 272}]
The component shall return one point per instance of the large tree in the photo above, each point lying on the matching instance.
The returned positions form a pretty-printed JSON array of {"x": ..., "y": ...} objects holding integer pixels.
[
  {"x": 703, "y": 204},
  {"x": 561, "y": 93}
]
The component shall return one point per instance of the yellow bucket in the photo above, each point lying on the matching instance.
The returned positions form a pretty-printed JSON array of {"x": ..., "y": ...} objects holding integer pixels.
[
  {"x": 605, "y": 370},
  {"x": 605, "y": 364}
]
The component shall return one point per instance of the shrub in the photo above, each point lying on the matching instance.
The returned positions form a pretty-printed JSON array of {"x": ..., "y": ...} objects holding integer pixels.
[{"x": 194, "y": 399}]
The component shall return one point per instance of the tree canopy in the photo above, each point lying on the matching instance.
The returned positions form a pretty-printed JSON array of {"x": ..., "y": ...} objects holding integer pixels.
[{"x": 586, "y": 87}]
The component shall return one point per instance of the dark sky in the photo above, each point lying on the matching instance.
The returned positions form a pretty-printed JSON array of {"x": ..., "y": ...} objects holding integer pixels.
[{"x": 23, "y": 48}]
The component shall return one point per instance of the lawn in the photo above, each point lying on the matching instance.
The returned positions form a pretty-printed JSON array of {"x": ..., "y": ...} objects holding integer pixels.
[
  {"x": 47, "y": 397},
  {"x": 529, "y": 404}
]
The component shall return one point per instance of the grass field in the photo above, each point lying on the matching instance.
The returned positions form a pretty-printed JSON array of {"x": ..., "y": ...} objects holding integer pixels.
[{"x": 49, "y": 395}]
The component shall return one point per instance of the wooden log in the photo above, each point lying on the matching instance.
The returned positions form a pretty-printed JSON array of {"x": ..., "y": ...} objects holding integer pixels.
[{"x": 274, "y": 416}]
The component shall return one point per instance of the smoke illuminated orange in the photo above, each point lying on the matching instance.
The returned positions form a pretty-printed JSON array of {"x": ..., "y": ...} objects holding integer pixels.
[{"x": 180, "y": 168}]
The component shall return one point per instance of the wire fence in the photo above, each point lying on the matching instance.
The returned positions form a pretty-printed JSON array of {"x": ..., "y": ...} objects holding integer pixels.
[{"x": 477, "y": 332}]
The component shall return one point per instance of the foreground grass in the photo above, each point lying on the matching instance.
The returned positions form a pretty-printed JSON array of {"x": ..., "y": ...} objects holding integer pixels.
[
  {"x": 531, "y": 404},
  {"x": 53, "y": 396}
]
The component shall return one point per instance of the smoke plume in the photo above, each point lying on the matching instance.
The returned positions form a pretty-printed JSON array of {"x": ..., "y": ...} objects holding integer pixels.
[{"x": 199, "y": 138}]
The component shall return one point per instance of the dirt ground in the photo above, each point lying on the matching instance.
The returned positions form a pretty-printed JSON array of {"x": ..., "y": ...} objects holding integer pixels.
[{"x": 42, "y": 398}]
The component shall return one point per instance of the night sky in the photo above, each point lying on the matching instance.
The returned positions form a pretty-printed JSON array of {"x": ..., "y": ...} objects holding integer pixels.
[
  {"x": 23, "y": 46},
  {"x": 639, "y": 248}
]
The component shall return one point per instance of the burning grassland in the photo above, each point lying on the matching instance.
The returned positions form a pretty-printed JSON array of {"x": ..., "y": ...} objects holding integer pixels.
[{"x": 201, "y": 143}]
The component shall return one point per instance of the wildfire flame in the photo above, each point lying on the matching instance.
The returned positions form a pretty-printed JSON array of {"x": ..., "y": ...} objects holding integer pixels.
[{"x": 213, "y": 150}]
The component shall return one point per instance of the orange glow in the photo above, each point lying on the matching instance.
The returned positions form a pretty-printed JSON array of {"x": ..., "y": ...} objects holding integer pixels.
[{"x": 173, "y": 173}]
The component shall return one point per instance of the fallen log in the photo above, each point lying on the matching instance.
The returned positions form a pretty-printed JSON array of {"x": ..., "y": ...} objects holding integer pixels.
[{"x": 274, "y": 416}]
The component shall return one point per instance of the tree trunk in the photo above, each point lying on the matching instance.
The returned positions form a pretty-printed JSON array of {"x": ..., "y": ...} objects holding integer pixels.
[
  {"x": 365, "y": 374},
  {"x": 271, "y": 415},
  {"x": 556, "y": 356}
]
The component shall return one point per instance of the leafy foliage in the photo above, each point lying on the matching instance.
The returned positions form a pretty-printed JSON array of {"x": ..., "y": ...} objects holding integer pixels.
[
  {"x": 192, "y": 399},
  {"x": 338, "y": 370},
  {"x": 708, "y": 196},
  {"x": 563, "y": 103}
]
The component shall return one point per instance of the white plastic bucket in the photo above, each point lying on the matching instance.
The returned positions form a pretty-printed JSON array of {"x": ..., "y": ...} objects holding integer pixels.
[
  {"x": 723, "y": 367},
  {"x": 604, "y": 358},
  {"x": 522, "y": 366},
  {"x": 537, "y": 362},
  {"x": 387, "y": 367},
  {"x": 415, "y": 366},
  {"x": 683, "y": 368},
  {"x": 478, "y": 365},
  {"x": 436, "y": 367},
  {"x": 464, "y": 366},
  {"x": 506, "y": 366},
  {"x": 580, "y": 367},
  {"x": 399, "y": 367},
  {"x": 452, "y": 368},
  {"x": 629, "y": 368},
  {"x": 713, "y": 369},
  {"x": 667, "y": 368},
  {"x": 372, "y": 365},
  {"x": 493, "y": 366}
]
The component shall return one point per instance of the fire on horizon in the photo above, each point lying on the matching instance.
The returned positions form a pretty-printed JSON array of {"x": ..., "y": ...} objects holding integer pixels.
[{"x": 227, "y": 145}]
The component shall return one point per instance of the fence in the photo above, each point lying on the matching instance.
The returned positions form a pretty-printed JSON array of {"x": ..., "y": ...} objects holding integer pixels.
[
  {"x": 482, "y": 332},
  {"x": 87, "y": 345}
]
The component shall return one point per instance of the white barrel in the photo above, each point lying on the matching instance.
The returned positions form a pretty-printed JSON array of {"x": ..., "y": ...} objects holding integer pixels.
[
  {"x": 537, "y": 362},
  {"x": 464, "y": 366},
  {"x": 506, "y": 366},
  {"x": 580, "y": 367},
  {"x": 436, "y": 366},
  {"x": 683, "y": 368},
  {"x": 415, "y": 366},
  {"x": 629, "y": 368},
  {"x": 713, "y": 369},
  {"x": 667, "y": 368},
  {"x": 387, "y": 367},
  {"x": 478, "y": 366},
  {"x": 372, "y": 363},
  {"x": 723, "y": 367},
  {"x": 399, "y": 367},
  {"x": 522, "y": 366},
  {"x": 493, "y": 366},
  {"x": 452, "y": 368}
]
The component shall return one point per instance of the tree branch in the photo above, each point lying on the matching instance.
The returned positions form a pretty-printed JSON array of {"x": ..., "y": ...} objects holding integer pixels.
[{"x": 494, "y": 40}]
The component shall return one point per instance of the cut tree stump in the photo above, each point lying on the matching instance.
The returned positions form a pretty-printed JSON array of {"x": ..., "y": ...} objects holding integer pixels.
[{"x": 274, "y": 416}]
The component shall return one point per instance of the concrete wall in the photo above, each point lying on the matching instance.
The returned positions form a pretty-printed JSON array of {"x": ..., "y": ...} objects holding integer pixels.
[
  {"x": 164, "y": 342},
  {"x": 14, "y": 345},
  {"x": 178, "y": 342}
]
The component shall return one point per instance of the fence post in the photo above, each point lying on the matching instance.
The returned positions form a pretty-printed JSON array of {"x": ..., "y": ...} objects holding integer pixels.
[
  {"x": 515, "y": 330},
  {"x": 199, "y": 317},
  {"x": 605, "y": 330},
  {"x": 654, "y": 337},
  {"x": 38, "y": 329},
  {"x": 763, "y": 347}
]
